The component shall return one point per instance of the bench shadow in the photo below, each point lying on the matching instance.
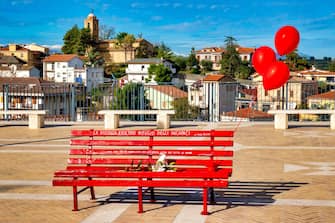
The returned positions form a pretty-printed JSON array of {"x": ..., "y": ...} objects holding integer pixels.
[{"x": 239, "y": 193}]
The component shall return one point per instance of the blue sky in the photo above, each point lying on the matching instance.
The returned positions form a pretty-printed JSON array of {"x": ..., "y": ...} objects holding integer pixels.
[{"x": 179, "y": 24}]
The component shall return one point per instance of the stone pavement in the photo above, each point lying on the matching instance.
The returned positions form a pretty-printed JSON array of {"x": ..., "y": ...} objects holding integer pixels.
[{"x": 278, "y": 176}]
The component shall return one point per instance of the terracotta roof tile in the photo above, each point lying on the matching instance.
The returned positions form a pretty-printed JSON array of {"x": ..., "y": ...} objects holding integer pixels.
[
  {"x": 170, "y": 90},
  {"x": 330, "y": 95},
  {"x": 213, "y": 77},
  {"x": 60, "y": 58},
  {"x": 245, "y": 50}
]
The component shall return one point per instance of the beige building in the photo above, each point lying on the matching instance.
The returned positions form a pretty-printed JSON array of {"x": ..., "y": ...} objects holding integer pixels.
[
  {"x": 111, "y": 51},
  {"x": 30, "y": 57},
  {"x": 214, "y": 54},
  {"x": 293, "y": 95}
]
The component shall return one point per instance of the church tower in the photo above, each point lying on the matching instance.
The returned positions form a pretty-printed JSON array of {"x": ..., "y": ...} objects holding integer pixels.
[{"x": 92, "y": 23}]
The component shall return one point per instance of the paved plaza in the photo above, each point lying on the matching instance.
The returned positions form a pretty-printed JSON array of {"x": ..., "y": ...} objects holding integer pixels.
[{"x": 278, "y": 176}]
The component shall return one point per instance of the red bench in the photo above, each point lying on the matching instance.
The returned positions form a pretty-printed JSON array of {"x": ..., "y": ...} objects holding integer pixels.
[{"x": 194, "y": 159}]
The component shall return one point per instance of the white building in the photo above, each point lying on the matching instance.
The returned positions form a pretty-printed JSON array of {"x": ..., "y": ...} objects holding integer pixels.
[
  {"x": 137, "y": 70},
  {"x": 220, "y": 92},
  {"x": 69, "y": 68},
  {"x": 11, "y": 66}
]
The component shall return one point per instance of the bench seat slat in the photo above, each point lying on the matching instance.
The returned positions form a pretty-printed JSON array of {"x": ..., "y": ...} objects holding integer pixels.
[
  {"x": 128, "y": 152},
  {"x": 81, "y": 142},
  {"x": 175, "y": 133},
  {"x": 143, "y": 183},
  {"x": 145, "y": 161},
  {"x": 142, "y": 174}
]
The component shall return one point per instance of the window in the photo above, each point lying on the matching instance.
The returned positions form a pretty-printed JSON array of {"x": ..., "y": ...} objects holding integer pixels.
[
  {"x": 200, "y": 98},
  {"x": 291, "y": 93},
  {"x": 278, "y": 95},
  {"x": 191, "y": 97},
  {"x": 266, "y": 93}
]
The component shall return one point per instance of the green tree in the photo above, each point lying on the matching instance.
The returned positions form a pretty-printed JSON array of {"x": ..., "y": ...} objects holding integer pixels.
[
  {"x": 296, "y": 62},
  {"x": 77, "y": 41},
  {"x": 183, "y": 110},
  {"x": 71, "y": 40},
  {"x": 206, "y": 65},
  {"x": 180, "y": 62},
  {"x": 94, "y": 58},
  {"x": 130, "y": 97},
  {"x": 332, "y": 66},
  {"x": 230, "y": 59},
  {"x": 162, "y": 73},
  {"x": 125, "y": 40},
  {"x": 244, "y": 70},
  {"x": 193, "y": 63},
  {"x": 162, "y": 51}
]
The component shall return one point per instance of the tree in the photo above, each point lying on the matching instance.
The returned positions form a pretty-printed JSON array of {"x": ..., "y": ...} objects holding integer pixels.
[
  {"x": 183, "y": 110},
  {"x": 193, "y": 63},
  {"x": 244, "y": 70},
  {"x": 106, "y": 32},
  {"x": 162, "y": 51},
  {"x": 94, "y": 58},
  {"x": 180, "y": 62},
  {"x": 296, "y": 62},
  {"x": 230, "y": 59},
  {"x": 206, "y": 65},
  {"x": 77, "y": 41},
  {"x": 332, "y": 66},
  {"x": 125, "y": 40},
  {"x": 130, "y": 97},
  {"x": 162, "y": 73},
  {"x": 71, "y": 40}
]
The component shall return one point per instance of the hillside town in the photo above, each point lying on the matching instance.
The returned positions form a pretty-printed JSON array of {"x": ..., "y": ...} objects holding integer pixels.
[{"x": 128, "y": 72}]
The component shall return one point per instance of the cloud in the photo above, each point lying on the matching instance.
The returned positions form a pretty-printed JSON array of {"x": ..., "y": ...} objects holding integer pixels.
[
  {"x": 156, "y": 18},
  {"x": 53, "y": 47},
  {"x": 18, "y": 2},
  {"x": 184, "y": 26}
]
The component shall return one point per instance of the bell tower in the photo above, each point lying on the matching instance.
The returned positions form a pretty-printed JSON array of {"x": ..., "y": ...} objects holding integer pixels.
[{"x": 92, "y": 23}]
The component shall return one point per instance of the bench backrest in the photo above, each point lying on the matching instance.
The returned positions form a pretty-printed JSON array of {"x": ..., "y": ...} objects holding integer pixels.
[{"x": 136, "y": 150}]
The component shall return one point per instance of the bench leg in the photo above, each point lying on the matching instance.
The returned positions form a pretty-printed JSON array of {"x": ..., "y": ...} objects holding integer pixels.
[
  {"x": 163, "y": 121},
  {"x": 111, "y": 121},
  {"x": 140, "y": 200},
  {"x": 281, "y": 121},
  {"x": 36, "y": 121},
  {"x": 332, "y": 121},
  {"x": 204, "y": 199},
  {"x": 75, "y": 199},
  {"x": 92, "y": 193},
  {"x": 212, "y": 195},
  {"x": 152, "y": 194}
]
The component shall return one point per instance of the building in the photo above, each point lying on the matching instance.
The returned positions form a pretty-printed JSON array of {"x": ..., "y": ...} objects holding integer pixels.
[
  {"x": 163, "y": 96},
  {"x": 319, "y": 75},
  {"x": 69, "y": 68},
  {"x": 35, "y": 94},
  {"x": 292, "y": 95},
  {"x": 10, "y": 66},
  {"x": 322, "y": 101},
  {"x": 30, "y": 57},
  {"x": 214, "y": 54},
  {"x": 137, "y": 70},
  {"x": 220, "y": 92},
  {"x": 196, "y": 95},
  {"x": 111, "y": 50}
]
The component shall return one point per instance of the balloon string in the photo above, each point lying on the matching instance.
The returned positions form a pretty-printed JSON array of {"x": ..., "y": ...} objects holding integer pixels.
[{"x": 238, "y": 125}]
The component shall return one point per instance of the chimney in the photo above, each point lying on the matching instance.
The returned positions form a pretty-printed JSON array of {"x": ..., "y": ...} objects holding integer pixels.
[{"x": 12, "y": 47}]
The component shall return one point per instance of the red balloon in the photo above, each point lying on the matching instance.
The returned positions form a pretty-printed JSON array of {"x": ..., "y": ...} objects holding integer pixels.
[
  {"x": 262, "y": 58},
  {"x": 286, "y": 40},
  {"x": 276, "y": 75}
]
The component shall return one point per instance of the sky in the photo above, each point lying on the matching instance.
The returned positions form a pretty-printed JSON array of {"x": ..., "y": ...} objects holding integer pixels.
[{"x": 180, "y": 24}]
